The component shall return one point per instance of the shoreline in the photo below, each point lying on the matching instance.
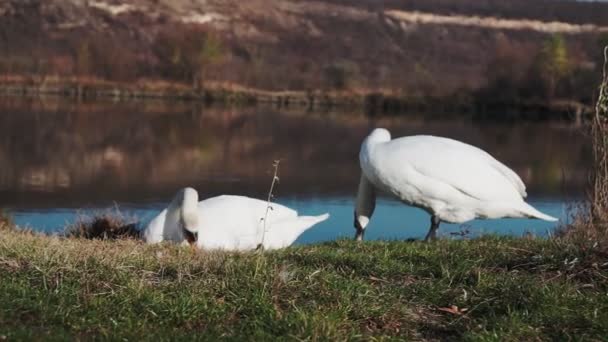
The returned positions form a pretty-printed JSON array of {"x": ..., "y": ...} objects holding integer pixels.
[{"x": 372, "y": 103}]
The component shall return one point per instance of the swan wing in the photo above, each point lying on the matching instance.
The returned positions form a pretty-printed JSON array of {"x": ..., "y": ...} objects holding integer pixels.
[
  {"x": 436, "y": 167},
  {"x": 154, "y": 230},
  {"x": 227, "y": 204},
  {"x": 236, "y": 222}
]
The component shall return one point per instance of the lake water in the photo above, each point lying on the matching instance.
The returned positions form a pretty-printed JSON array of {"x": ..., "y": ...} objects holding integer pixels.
[{"x": 61, "y": 160}]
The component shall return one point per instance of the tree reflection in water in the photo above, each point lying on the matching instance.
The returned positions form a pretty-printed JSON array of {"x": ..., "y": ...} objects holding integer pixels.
[{"x": 56, "y": 153}]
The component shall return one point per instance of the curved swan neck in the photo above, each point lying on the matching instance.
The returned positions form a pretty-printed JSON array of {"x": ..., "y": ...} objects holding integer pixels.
[
  {"x": 378, "y": 135},
  {"x": 365, "y": 205},
  {"x": 189, "y": 209},
  {"x": 366, "y": 194},
  {"x": 184, "y": 208}
]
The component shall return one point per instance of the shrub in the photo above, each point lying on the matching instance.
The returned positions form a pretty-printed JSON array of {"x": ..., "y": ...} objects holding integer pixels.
[
  {"x": 104, "y": 226},
  {"x": 6, "y": 222},
  {"x": 591, "y": 222}
]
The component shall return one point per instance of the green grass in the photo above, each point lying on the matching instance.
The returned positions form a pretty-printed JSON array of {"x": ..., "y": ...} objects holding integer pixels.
[{"x": 514, "y": 289}]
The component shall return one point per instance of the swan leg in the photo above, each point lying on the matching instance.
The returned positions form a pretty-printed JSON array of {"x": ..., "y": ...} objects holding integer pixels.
[{"x": 432, "y": 234}]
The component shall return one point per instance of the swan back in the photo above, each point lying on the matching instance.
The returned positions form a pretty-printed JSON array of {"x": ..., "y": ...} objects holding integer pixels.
[
  {"x": 228, "y": 222},
  {"x": 436, "y": 166},
  {"x": 237, "y": 223},
  {"x": 448, "y": 178}
]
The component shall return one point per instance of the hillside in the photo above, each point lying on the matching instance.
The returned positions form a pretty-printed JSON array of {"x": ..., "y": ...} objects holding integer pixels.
[{"x": 520, "y": 49}]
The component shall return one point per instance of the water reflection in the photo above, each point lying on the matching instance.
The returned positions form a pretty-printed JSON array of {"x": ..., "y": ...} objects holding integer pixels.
[{"x": 76, "y": 155}]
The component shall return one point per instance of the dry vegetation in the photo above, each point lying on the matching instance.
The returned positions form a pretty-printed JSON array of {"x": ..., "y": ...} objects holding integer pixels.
[
  {"x": 354, "y": 46},
  {"x": 590, "y": 225},
  {"x": 5, "y": 221},
  {"x": 104, "y": 226},
  {"x": 599, "y": 194}
]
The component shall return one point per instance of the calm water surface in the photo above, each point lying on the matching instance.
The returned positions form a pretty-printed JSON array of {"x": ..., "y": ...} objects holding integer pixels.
[{"x": 61, "y": 160}]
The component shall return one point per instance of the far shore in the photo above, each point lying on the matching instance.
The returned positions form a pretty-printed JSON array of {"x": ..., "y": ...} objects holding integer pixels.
[{"x": 381, "y": 102}]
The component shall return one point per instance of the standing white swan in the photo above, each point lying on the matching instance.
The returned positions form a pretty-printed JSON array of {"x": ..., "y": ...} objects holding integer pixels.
[
  {"x": 234, "y": 223},
  {"x": 453, "y": 181}
]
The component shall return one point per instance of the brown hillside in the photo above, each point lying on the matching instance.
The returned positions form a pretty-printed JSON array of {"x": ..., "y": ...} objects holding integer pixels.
[{"x": 327, "y": 44}]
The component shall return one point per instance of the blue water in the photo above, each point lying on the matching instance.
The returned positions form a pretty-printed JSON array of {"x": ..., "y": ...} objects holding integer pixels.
[
  {"x": 66, "y": 161},
  {"x": 391, "y": 221}
]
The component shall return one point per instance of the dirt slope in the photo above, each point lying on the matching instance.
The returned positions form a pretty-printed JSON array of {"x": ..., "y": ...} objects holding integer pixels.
[{"x": 407, "y": 46}]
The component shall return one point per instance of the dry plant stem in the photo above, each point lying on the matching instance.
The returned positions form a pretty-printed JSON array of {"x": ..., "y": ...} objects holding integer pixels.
[
  {"x": 599, "y": 198},
  {"x": 275, "y": 179}
]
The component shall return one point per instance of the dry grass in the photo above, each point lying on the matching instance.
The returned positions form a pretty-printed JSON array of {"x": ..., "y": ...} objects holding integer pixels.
[
  {"x": 6, "y": 222},
  {"x": 504, "y": 289},
  {"x": 104, "y": 226},
  {"x": 493, "y": 23},
  {"x": 599, "y": 196},
  {"x": 590, "y": 224}
]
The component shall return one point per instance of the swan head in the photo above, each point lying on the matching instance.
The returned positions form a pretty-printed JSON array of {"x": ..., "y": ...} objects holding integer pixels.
[
  {"x": 360, "y": 223},
  {"x": 189, "y": 213}
]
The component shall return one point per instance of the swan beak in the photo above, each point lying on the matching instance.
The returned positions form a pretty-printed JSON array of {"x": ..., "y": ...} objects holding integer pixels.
[{"x": 190, "y": 237}]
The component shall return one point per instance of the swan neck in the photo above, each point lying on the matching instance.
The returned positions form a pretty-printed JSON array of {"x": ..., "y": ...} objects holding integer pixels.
[
  {"x": 189, "y": 210},
  {"x": 184, "y": 209},
  {"x": 365, "y": 205}
]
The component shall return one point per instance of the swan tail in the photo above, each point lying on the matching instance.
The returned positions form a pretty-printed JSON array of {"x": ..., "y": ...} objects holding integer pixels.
[
  {"x": 303, "y": 223},
  {"x": 285, "y": 232},
  {"x": 531, "y": 212},
  {"x": 312, "y": 220}
]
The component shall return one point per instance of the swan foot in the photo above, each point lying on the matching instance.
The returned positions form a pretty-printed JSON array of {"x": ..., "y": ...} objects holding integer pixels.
[{"x": 432, "y": 234}]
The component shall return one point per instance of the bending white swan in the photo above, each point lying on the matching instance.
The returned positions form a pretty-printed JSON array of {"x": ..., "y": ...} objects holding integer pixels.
[
  {"x": 453, "y": 181},
  {"x": 233, "y": 223}
]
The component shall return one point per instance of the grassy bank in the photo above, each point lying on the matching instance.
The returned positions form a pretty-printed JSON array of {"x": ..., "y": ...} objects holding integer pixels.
[{"x": 507, "y": 289}]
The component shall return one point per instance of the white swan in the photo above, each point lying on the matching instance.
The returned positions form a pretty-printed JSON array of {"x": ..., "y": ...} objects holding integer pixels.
[
  {"x": 453, "y": 181},
  {"x": 234, "y": 223}
]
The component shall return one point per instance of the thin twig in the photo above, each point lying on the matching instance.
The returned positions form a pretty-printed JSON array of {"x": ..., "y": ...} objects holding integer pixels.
[
  {"x": 606, "y": 64},
  {"x": 598, "y": 106},
  {"x": 275, "y": 179}
]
